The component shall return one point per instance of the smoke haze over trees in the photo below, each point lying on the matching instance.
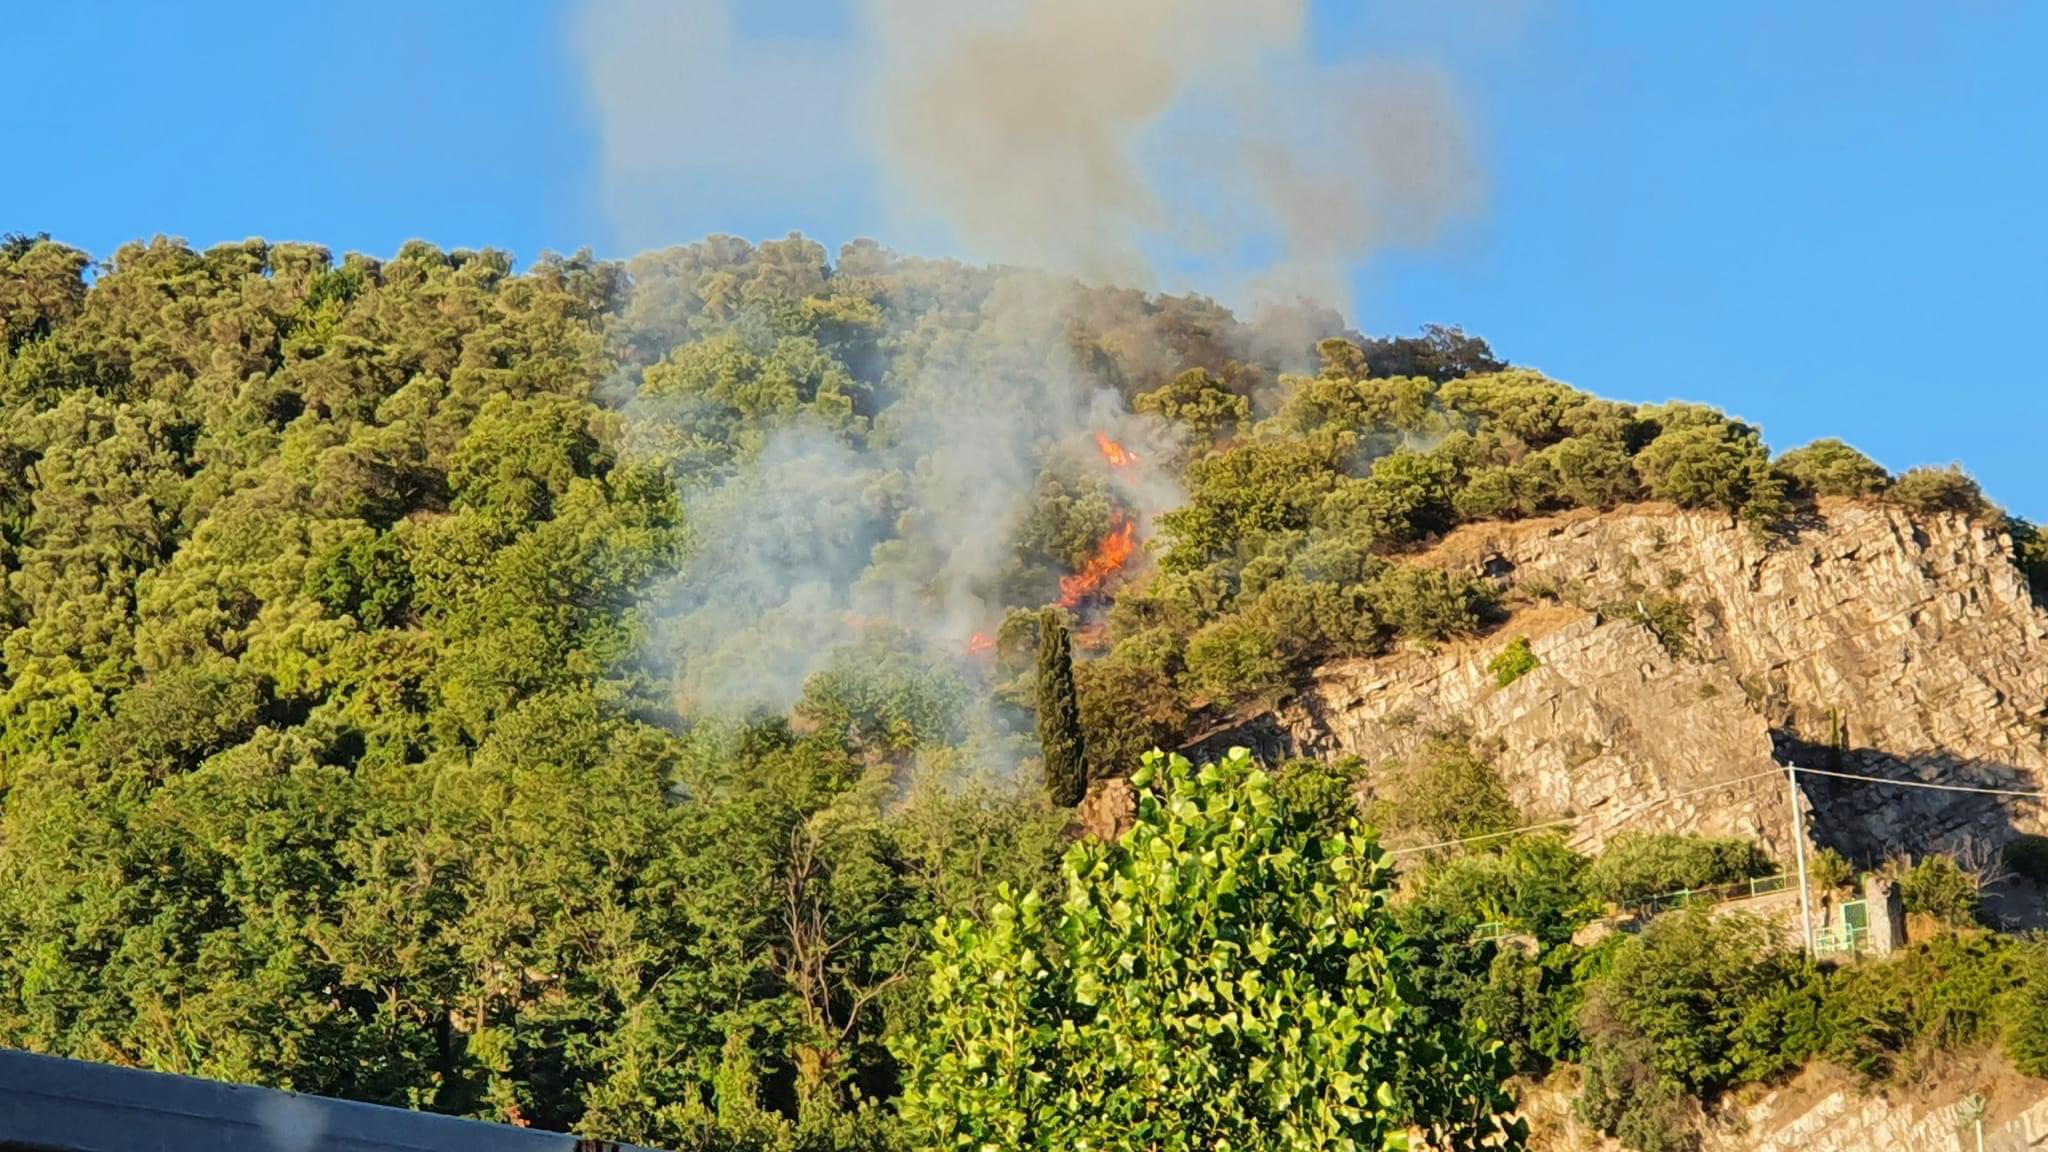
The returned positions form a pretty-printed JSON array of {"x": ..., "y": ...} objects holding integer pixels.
[{"x": 569, "y": 695}]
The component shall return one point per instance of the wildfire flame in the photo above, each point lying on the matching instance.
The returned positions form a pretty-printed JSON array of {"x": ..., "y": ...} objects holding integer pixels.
[
  {"x": 979, "y": 643},
  {"x": 1110, "y": 556},
  {"x": 1119, "y": 457}
]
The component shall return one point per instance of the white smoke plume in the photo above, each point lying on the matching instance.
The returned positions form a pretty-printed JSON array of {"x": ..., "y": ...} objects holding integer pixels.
[
  {"x": 1158, "y": 143},
  {"x": 1173, "y": 144},
  {"x": 814, "y": 545}
]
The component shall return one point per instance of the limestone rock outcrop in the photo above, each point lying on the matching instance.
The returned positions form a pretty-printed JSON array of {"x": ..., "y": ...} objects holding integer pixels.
[{"x": 1868, "y": 641}]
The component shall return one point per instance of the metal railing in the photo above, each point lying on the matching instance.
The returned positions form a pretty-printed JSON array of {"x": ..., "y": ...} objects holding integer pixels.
[{"x": 1712, "y": 894}]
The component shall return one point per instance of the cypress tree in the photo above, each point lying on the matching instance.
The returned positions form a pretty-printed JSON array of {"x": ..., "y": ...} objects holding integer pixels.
[{"x": 1059, "y": 713}]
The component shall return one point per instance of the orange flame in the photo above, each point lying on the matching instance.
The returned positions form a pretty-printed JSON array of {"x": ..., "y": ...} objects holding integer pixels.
[
  {"x": 1119, "y": 457},
  {"x": 979, "y": 643},
  {"x": 1110, "y": 557}
]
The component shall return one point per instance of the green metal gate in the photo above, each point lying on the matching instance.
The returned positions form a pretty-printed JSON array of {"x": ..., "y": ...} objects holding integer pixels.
[{"x": 1847, "y": 937}]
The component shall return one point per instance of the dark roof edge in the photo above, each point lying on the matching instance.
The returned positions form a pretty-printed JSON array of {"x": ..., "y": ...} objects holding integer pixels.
[{"x": 59, "y": 1105}]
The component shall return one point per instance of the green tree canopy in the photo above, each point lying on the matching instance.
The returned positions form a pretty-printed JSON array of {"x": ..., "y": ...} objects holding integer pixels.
[{"x": 1224, "y": 975}]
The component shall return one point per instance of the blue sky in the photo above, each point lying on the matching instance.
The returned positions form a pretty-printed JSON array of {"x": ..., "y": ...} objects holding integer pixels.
[{"x": 1820, "y": 216}]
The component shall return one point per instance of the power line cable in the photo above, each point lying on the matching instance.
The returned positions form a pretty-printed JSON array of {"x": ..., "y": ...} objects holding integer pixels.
[
  {"x": 1624, "y": 814},
  {"x": 1923, "y": 784},
  {"x": 1629, "y": 813}
]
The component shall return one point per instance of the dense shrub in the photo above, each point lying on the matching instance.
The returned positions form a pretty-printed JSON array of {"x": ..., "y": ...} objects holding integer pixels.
[
  {"x": 1947, "y": 489},
  {"x": 1129, "y": 706},
  {"x": 1585, "y": 472},
  {"x": 1445, "y": 791},
  {"x": 1667, "y": 1020},
  {"x": 2025, "y": 1011},
  {"x": 1533, "y": 884},
  {"x": 1530, "y": 1002},
  {"x": 1494, "y": 492},
  {"x": 1322, "y": 791},
  {"x": 1429, "y": 603},
  {"x": 1832, "y": 468},
  {"x": 1937, "y": 996},
  {"x": 2030, "y": 553},
  {"x": 1513, "y": 662},
  {"x": 1236, "y": 659},
  {"x": 1245, "y": 491},
  {"x": 1667, "y": 617},
  {"x": 1407, "y": 497},
  {"x": 365, "y": 575},
  {"x": 1198, "y": 401},
  {"x": 1942, "y": 888},
  {"x": 1709, "y": 464},
  {"x": 1828, "y": 869},
  {"x": 1312, "y": 620},
  {"x": 1638, "y": 865}
]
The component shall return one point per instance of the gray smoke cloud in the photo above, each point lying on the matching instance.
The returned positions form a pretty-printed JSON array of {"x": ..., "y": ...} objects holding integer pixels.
[
  {"x": 814, "y": 546},
  {"x": 1174, "y": 144},
  {"x": 692, "y": 114},
  {"x": 1161, "y": 142},
  {"x": 1157, "y": 143}
]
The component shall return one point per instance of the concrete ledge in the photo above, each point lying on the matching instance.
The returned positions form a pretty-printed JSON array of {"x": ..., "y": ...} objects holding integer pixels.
[{"x": 49, "y": 1104}]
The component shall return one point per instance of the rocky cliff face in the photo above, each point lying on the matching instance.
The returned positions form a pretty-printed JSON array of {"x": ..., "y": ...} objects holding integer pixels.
[
  {"x": 1822, "y": 1110},
  {"x": 1868, "y": 641}
]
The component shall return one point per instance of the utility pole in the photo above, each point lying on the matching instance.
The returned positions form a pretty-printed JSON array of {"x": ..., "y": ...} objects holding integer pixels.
[{"x": 1799, "y": 852}]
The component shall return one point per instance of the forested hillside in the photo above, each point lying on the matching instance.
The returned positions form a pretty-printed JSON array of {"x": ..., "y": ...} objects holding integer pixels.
[{"x": 572, "y": 695}]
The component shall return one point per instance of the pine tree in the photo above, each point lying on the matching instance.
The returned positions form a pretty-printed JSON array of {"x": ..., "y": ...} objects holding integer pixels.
[{"x": 1059, "y": 713}]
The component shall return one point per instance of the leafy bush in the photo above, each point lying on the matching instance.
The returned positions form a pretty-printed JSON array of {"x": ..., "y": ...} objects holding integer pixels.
[
  {"x": 1320, "y": 790},
  {"x": 1312, "y": 620},
  {"x": 1225, "y": 974},
  {"x": 2025, "y": 1011},
  {"x": 1667, "y": 1020},
  {"x": 1828, "y": 869},
  {"x": 1667, "y": 617},
  {"x": 1445, "y": 791},
  {"x": 1535, "y": 884},
  {"x": 1493, "y": 492},
  {"x": 1199, "y": 401},
  {"x": 1429, "y": 603},
  {"x": 1586, "y": 472},
  {"x": 1832, "y": 468},
  {"x": 1783, "y": 1029},
  {"x": 1931, "y": 490},
  {"x": 1937, "y": 996},
  {"x": 1637, "y": 865},
  {"x": 2030, "y": 553},
  {"x": 1129, "y": 706},
  {"x": 1407, "y": 497},
  {"x": 364, "y": 575},
  {"x": 1531, "y": 1002},
  {"x": 1236, "y": 659},
  {"x": 1713, "y": 465},
  {"x": 1940, "y": 887},
  {"x": 1514, "y": 662}
]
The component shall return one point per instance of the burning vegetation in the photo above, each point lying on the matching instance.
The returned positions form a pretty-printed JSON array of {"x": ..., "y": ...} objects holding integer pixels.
[
  {"x": 1110, "y": 556},
  {"x": 1119, "y": 457}
]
